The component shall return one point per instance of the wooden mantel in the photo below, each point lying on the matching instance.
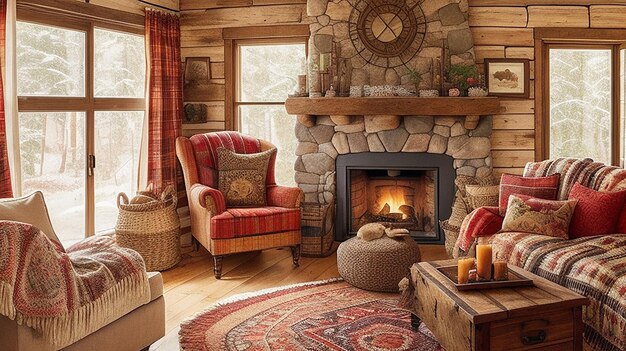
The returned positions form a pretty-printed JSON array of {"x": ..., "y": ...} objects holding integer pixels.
[{"x": 339, "y": 108}]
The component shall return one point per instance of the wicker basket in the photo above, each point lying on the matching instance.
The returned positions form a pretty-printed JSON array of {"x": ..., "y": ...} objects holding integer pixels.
[
  {"x": 318, "y": 234},
  {"x": 151, "y": 228}
]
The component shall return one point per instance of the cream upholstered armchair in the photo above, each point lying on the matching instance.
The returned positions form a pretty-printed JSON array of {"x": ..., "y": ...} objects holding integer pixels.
[{"x": 223, "y": 230}]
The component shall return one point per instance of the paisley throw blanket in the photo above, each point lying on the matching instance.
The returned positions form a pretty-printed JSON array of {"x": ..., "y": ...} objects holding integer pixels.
[{"x": 67, "y": 295}]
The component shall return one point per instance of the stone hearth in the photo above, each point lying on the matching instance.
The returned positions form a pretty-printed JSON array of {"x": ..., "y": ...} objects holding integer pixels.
[{"x": 320, "y": 144}]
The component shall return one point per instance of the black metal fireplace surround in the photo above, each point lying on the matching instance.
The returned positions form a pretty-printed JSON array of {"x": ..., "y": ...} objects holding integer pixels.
[{"x": 440, "y": 166}]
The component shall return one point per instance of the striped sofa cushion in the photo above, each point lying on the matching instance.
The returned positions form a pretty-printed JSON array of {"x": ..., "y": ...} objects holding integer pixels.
[{"x": 594, "y": 267}]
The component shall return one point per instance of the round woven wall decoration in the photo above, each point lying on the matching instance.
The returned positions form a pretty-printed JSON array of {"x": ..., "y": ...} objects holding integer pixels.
[{"x": 387, "y": 33}]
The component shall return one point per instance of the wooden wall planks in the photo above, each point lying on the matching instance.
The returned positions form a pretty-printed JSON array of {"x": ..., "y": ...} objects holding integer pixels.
[
  {"x": 134, "y": 6},
  {"x": 499, "y": 31},
  {"x": 202, "y": 24}
]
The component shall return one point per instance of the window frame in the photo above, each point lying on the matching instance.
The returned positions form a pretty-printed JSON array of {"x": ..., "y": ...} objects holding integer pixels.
[
  {"x": 234, "y": 38},
  {"x": 562, "y": 38},
  {"x": 88, "y": 104}
]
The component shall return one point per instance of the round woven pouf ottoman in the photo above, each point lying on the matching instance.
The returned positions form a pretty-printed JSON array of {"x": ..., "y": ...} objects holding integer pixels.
[{"x": 376, "y": 265}]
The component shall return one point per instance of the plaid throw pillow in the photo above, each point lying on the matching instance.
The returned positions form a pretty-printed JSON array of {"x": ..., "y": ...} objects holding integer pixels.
[
  {"x": 242, "y": 177},
  {"x": 539, "y": 187}
]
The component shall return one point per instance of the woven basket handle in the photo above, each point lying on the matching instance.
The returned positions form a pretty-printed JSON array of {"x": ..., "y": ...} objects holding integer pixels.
[
  {"x": 171, "y": 193},
  {"x": 120, "y": 197}
]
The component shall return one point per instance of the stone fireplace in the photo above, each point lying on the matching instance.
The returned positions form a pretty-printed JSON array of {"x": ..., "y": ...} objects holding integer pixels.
[
  {"x": 389, "y": 159},
  {"x": 379, "y": 153}
]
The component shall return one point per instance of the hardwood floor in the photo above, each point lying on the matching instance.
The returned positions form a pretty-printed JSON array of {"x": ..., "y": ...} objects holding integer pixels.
[{"x": 191, "y": 287}]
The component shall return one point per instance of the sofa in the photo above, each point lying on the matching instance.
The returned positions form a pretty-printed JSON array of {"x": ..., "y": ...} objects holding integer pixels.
[
  {"x": 136, "y": 330},
  {"x": 593, "y": 266}
]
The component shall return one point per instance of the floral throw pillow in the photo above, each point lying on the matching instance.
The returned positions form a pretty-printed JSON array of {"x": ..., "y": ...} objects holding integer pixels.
[
  {"x": 538, "y": 216},
  {"x": 242, "y": 177}
]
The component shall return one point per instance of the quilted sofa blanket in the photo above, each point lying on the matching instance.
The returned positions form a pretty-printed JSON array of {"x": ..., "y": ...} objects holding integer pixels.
[
  {"x": 66, "y": 295},
  {"x": 594, "y": 267}
]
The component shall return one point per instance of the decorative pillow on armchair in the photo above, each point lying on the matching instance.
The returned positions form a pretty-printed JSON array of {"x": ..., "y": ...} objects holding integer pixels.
[
  {"x": 597, "y": 212},
  {"x": 538, "y": 216},
  {"x": 539, "y": 187},
  {"x": 242, "y": 177}
]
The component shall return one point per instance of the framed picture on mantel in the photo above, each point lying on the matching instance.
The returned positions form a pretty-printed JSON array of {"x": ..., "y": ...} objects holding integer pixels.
[{"x": 508, "y": 77}]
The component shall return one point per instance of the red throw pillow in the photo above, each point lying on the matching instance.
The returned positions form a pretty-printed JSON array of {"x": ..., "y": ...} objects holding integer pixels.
[
  {"x": 483, "y": 221},
  {"x": 597, "y": 212},
  {"x": 538, "y": 187}
]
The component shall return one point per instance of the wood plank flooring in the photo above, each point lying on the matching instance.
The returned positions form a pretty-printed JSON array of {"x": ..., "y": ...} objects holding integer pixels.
[{"x": 191, "y": 287}]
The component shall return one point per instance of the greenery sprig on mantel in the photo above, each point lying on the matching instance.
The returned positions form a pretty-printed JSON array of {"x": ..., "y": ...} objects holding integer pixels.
[{"x": 462, "y": 76}]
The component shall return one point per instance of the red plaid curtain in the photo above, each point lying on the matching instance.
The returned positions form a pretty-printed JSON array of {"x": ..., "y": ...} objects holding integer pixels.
[
  {"x": 165, "y": 106},
  {"x": 5, "y": 174}
]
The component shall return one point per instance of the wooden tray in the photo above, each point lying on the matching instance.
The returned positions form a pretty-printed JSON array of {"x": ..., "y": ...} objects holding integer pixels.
[{"x": 515, "y": 280}]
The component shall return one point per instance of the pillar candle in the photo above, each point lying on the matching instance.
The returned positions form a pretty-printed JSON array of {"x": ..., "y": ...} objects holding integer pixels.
[
  {"x": 500, "y": 270},
  {"x": 324, "y": 61},
  {"x": 463, "y": 268},
  {"x": 483, "y": 262}
]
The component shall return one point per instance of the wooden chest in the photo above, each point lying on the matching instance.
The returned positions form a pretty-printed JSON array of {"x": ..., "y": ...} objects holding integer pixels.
[{"x": 544, "y": 317}]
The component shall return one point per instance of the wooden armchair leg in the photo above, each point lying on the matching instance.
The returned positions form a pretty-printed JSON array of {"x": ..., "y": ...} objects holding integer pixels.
[
  {"x": 217, "y": 266},
  {"x": 295, "y": 254}
]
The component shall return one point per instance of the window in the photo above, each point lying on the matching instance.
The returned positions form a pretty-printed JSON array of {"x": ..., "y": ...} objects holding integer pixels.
[
  {"x": 267, "y": 73},
  {"x": 578, "y": 93},
  {"x": 262, "y": 65},
  {"x": 581, "y": 102},
  {"x": 81, "y": 113}
]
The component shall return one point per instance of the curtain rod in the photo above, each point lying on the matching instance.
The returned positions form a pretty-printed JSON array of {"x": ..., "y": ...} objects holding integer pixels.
[{"x": 159, "y": 6}]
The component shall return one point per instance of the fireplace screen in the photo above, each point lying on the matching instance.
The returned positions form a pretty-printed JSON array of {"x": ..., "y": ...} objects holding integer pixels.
[{"x": 396, "y": 198}]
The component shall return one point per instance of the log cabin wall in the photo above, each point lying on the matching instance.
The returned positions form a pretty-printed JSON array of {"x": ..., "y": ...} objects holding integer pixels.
[
  {"x": 500, "y": 28},
  {"x": 202, "y": 22},
  {"x": 134, "y": 6},
  {"x": 505, "y": 29}
]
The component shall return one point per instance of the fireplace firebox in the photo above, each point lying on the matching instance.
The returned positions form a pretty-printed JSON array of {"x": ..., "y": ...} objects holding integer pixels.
[{"x": 401, "y": 190}]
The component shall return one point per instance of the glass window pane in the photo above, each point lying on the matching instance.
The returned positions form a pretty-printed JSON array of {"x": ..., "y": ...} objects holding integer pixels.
[
  {"x": 52, "y": 151},
  {"x": 50, "y": 61},
  {"x": 117, "y": 142},
  {"x": 270, "y": 72},
  {"x": 120, "y": 64},
  {"x": 580, "y": 103},
  {"x": 272, "y": 123}
]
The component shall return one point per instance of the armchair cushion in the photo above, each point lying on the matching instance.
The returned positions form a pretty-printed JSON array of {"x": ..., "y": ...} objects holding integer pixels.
[
  {"x": 205, "y": 151},
  {"x": 284, "y": 196},
  {"x": 239, "y": 222},
  {"x": 242, "y": 177}
]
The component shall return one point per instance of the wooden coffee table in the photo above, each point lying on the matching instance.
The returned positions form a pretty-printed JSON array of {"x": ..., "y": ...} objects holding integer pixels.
[{"x": 546, "y": 316}]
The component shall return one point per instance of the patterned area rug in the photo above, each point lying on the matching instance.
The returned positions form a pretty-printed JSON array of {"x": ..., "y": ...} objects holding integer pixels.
[{"x": 328, "y": 315}]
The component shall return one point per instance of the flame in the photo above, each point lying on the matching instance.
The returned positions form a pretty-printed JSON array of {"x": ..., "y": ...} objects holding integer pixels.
[{"x": 394, "y": 198}]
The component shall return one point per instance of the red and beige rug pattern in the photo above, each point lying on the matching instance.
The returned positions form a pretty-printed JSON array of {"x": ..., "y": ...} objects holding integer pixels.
[{"x": 328, "y": 315}]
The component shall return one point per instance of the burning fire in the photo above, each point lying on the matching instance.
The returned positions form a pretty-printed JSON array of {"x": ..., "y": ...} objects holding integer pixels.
[{"x": 392, "y": 198}]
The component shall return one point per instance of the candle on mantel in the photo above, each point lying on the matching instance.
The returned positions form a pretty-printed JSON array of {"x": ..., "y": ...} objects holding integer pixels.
[
  {"x": 463, "y": 268},
  {"x": 500, "y": 270},
  {"x": 483, "y": 261}
]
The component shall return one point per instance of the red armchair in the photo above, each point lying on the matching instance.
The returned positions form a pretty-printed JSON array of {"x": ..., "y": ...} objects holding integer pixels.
[{"x": 223, "y": 230}]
